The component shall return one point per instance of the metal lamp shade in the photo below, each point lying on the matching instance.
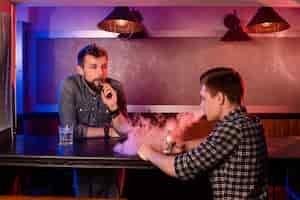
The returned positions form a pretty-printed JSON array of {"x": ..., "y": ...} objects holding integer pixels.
[
  {"x": 267, "y": 20},
  {"x": 121, "y": 20}
]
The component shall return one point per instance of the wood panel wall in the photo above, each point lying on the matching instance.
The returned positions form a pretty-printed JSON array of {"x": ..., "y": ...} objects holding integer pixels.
[
  {"x": 281, "y": 127},
  {"x": 273, "y": 128}
]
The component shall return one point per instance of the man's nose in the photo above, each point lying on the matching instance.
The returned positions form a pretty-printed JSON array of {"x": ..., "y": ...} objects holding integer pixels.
[
  {"x": 100, "y": 70},
  {"x": 103, "y": 69}
]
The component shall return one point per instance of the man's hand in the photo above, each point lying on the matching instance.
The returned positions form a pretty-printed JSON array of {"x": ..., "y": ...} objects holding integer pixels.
[
  {"x": 113, "y": 133},
  {"x": 164, "y": 162},
  {"x": 109, "y": 97},
  {"x": 186, "y": 119},
  {"x": 178, "y": 148},
  {"x": 173, "y": 146}
]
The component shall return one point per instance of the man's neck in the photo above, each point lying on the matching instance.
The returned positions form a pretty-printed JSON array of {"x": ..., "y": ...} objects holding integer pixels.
[
  {"x": 227, "y": 109},
  {"x": 89, "y": 86}
]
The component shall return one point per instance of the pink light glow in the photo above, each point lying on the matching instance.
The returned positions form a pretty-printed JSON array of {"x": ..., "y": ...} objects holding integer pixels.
[{"x": 157, "y": 135}]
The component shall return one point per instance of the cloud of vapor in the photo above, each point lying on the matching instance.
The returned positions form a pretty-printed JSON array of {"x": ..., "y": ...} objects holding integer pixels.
[{"x": 153, "y": 131}]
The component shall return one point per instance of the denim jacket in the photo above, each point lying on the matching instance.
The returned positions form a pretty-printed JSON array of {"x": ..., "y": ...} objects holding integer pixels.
[{"x": 80, "y": 107}]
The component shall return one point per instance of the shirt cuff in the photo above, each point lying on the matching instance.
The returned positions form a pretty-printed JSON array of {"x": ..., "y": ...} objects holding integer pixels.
[{"x": 81, "y": 132}]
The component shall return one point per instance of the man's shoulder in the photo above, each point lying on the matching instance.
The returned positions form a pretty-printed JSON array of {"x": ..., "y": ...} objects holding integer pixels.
[
  {"x": 247, "y": 123},
  {"x": 115, "y": 83},
  {"x": 240, "y": 118},
  {"x": 72, "y": 80},
  {"x": 248, "y": 118},
  {"x": 232, "y": 126},
  {"x": 72, "y": 84}
]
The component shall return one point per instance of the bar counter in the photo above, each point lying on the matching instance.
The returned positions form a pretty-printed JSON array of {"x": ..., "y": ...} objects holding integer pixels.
[{"x": 44, "y": 151}]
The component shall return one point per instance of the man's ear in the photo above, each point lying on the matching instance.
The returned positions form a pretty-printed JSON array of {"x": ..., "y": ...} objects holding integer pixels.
[
  {"x": 79, "y": 70},
  {"x": 220, "y": 98}
]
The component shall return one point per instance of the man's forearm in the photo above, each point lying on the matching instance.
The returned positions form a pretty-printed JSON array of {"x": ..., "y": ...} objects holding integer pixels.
[
  {"x": 99, "y": 132},
  {"x": 120, "y": 125},
  {"x": 93, "y": 132}
]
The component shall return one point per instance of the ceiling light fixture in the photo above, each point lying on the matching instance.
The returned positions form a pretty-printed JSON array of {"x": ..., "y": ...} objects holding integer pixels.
[
  {"x": 122, "y": 20},
  {"x": 266, "y": 20}
]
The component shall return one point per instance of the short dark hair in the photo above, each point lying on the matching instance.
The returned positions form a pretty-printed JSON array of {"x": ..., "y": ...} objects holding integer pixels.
[
  {"x": 91, "y": 49},
  {"x": 225, "y": 80}
]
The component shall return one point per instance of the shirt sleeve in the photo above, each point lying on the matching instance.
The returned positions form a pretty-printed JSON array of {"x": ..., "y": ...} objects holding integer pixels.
[
  {"x": 67, "y": 109},
  {"x": 218, "y": 146}
]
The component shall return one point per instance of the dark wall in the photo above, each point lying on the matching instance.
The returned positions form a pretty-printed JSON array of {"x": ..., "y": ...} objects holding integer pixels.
[{"x": 165, "y": 71}]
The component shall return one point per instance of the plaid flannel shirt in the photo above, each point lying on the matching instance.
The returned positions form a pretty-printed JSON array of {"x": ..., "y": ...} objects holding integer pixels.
[{"x": 234, "y": 156}]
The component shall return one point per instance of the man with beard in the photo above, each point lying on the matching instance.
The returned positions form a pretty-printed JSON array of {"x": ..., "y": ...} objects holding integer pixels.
[{"x": 95, "y": 106}]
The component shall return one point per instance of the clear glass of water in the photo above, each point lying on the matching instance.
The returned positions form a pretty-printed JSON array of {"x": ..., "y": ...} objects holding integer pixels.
[{"x": 65, "y": 134}]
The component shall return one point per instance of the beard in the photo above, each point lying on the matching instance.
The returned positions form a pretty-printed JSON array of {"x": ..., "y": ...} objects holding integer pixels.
[{"x": 95, "y": 85}]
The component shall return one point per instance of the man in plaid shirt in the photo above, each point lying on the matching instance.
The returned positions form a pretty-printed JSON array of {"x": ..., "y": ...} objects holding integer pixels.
[{"x": 234, "y": 154}]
